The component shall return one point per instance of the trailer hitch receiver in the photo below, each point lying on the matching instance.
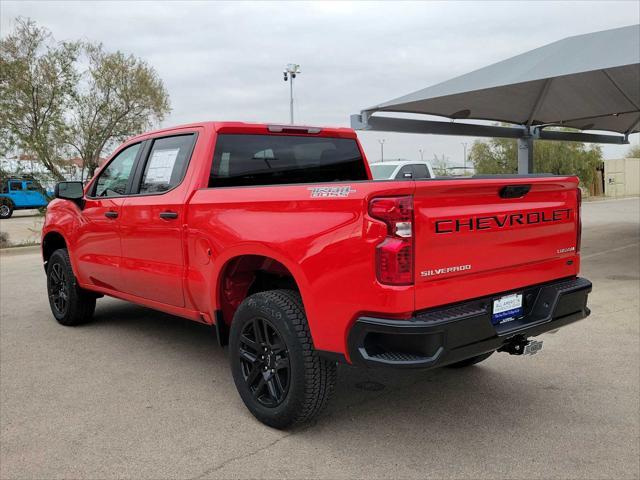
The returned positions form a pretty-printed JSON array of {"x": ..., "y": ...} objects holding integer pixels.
[{"x": 521, "y": 346}]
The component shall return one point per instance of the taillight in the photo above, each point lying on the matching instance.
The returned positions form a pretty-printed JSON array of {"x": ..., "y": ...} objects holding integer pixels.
[
  {"x": 394, "y": 255},
  {"x": 579, "y": 221}
]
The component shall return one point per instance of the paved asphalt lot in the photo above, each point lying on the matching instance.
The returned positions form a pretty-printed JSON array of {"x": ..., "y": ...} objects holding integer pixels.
[
  {"x": 138, "y": 394},
  {"x": 23, "y": 227}
]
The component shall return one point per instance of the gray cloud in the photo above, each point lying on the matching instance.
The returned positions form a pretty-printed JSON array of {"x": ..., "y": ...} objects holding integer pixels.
[{"x": 224, "y": 60}]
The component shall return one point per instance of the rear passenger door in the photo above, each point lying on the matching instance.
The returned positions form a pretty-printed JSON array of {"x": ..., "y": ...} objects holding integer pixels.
[{"x": 152, "y": 220}]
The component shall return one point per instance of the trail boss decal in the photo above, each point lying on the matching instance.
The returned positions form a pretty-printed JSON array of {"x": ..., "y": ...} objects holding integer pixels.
[
  {"x": 342, "y": 191},
  {"x": 492, "y": 222}
]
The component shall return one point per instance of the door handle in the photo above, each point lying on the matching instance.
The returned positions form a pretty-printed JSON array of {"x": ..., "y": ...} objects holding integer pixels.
[
  {"x": 111, "y": 214},
  {"x": 168, "y": 215}
]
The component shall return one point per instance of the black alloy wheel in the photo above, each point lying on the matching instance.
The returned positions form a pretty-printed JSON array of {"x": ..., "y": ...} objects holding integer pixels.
[
  {"x": 279, "y": 375},
  {"x": 58, "y": 289},
  {"x": 70, "y": 304},
  {"x": 265, "y": 362}
]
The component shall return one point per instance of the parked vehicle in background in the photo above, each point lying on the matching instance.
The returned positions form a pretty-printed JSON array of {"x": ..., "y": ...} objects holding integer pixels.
[
  {"x": 20, "y": 194},
  {"x": 461, "y": 171},
  {"x": 401, "y": 170},
  {"x": 276, "y": 237}
]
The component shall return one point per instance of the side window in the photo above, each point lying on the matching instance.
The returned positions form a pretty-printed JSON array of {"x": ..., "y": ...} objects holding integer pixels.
[
  {"x": 32, "y": 186},
  {"x": 420, "y": 171},
  {"x": 167, "y": 163},
  {"x": 113, "y": 180},
  {"x": 405, "y": 173},
  {"x": 4, "y": 187},
  {"x": 15, "y": 186}
]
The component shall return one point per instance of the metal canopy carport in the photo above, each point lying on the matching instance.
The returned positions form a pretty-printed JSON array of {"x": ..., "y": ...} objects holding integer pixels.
[{"x": 586, "y": 82}]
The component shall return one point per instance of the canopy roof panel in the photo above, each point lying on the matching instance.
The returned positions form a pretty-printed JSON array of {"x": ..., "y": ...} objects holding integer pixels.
[{"x": 589, "y": 82}]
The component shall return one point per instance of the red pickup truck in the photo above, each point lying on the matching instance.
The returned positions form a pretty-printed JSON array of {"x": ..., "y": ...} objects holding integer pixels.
[{"x": 278, "y": 238}]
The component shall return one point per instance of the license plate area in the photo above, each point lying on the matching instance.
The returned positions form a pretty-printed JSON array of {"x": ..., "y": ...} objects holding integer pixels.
[{"x": 507, "y": 308}]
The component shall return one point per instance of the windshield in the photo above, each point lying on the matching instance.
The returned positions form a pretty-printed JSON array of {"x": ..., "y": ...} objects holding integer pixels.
[{"x": 382, "y": 172}]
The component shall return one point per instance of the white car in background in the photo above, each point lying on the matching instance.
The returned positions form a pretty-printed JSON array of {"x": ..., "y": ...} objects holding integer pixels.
[{"x": 401, "y": 169}]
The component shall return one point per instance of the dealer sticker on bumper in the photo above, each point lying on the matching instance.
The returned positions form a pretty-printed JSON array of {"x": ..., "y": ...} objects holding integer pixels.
[{"x": 506, "y": 308}]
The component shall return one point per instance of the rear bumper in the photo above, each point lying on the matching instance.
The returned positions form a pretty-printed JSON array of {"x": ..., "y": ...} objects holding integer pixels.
[{"x": 445, "y": 335}]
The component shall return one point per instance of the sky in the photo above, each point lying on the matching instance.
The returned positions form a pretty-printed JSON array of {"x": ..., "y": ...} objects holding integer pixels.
[{"x": 224, "y": 61}]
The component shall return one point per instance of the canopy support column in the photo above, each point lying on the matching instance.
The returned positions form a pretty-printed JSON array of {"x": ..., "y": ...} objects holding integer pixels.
[{"x": 525, "y": 155}]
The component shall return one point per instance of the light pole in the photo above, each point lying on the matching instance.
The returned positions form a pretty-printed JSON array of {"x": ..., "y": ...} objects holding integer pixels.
[
  {"x": 464, "y": 144},
  {"x": 291, "y": 70},
  {"x": 421, "y": 151},
  {"x": 381, "y": 142}
]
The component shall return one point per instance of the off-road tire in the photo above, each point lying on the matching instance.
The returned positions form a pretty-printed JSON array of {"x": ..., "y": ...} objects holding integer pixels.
[
  {"x": 6, "y": 208},
  {"x": 311, "y": 379},
  {"x": 80, "y": 304},
  {"x": 471, "y": 361}
]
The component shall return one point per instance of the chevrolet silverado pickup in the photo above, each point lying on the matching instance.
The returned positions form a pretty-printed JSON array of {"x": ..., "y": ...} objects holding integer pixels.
[{"x": 277, "y": 237}]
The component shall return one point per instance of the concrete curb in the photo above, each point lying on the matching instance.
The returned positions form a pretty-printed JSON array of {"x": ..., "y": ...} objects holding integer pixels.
[{"x": 15, "y": 251}]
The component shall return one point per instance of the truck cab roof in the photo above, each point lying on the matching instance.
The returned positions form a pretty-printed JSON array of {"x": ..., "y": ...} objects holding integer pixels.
[{"x": 258, "y": 129}]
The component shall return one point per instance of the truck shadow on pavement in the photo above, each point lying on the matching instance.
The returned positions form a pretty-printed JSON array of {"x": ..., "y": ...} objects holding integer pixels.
[{"x": 372, "y": 398}]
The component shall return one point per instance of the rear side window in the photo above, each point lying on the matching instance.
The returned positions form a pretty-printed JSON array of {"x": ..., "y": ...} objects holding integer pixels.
[
  {"x": 405, "y": 173},
  {"x": 381, "y": 171},
  {"x": 420, "y": 171},
  {"x": 167, "y": 163},
  {"x": 15, "y": 186},
  {"x": 241, "y": 160}
]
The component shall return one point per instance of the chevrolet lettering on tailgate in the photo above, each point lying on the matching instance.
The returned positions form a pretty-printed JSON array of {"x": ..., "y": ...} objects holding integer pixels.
[{"x": 501, "y": 221}]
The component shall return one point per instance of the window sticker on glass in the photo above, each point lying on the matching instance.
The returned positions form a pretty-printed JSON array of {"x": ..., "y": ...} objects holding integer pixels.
[{"x": 161, "y": 166}]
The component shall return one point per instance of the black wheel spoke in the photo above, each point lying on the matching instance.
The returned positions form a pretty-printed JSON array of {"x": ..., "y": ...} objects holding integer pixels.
[
  {"x": 259, "y": 388},
  {"x": 248, "y": 356},
  {"x": 249, "y": 343},
  {"x": 55, "y": 276},
  {"x": 257, "y": 331},
  {"x": 273, "y": 389},
  {"x": 265, "y": 333},
  {"x": 282, "y": 363},
  {"x": 253, "y": 375},
  {"x": 276, "y": 378}
]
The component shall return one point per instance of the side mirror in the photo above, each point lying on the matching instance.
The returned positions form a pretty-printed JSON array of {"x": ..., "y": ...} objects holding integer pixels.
[{"x": 69, "y": 191}]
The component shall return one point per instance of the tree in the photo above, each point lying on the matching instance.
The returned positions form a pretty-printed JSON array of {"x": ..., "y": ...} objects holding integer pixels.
[
  {"x": 500, "y": 155},
  {"x": 49, "y": 108},
  {"x": 119, "y": 96},
  {"x": 634, "y": 151},
  {"x": 37, "y": 79}
]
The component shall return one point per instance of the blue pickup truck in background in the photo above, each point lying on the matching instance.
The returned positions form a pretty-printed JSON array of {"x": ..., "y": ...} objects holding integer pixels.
[{"x": 20, "y": 194}]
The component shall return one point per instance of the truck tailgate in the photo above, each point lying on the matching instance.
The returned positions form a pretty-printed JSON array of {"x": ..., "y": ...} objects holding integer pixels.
[{"x": 481, "y": 236}]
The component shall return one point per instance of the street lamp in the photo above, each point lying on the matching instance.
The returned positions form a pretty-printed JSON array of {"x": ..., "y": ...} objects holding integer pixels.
[
  {"x": 421, "y": 151},
  {"x": 381, "y": 142},
  {"x": 290, "y": 71}
]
